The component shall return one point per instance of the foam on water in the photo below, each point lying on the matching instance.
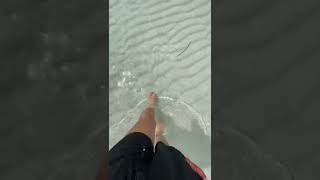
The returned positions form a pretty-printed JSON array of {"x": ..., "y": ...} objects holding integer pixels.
[{"x": 162, "y": 46}]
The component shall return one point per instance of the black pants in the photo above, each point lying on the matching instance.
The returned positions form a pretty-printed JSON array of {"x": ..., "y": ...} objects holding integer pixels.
[{"x": 134, "y": 158}]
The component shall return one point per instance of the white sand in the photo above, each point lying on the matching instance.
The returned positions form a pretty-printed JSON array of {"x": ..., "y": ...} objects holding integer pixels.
[{"x": 162, "y": 46}]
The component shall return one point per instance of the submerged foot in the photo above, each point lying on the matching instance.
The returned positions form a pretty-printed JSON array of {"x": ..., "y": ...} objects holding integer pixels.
[
  {"x": 152, "y": 100},
  {"x": 160, "y": 126}
]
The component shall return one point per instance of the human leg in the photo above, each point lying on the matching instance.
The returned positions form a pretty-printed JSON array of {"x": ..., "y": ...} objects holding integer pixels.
[
  {"x": 146, "y": 123},
  {"x": 160, "y": 126}
]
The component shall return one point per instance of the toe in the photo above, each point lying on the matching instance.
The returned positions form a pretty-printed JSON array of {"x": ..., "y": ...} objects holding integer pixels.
[{"x": 152, "y": 95}]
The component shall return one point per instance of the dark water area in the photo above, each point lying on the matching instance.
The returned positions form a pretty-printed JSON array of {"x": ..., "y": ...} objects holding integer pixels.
[
  {"x": 53, "y": 78},
  {"x": 267, "y": 90}
]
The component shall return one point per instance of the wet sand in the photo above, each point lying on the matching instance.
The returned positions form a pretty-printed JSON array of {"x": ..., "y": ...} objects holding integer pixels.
[{"x": 162, "y": 46}]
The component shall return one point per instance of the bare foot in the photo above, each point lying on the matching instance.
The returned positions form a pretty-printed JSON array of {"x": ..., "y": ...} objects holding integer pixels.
[
  {"x": 160, "y": 126},
  {"x": 152, "y": 100}
]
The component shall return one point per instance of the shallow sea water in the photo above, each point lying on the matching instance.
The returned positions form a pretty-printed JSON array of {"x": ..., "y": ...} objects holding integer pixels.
[{"x": 162, "y": 46}]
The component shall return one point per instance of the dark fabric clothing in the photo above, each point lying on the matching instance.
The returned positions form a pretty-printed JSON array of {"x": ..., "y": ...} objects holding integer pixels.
[{"x": 134, "y": 158}]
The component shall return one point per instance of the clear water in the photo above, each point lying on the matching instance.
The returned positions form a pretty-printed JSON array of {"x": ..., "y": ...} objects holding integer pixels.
[{"x": 162, "y": 46}]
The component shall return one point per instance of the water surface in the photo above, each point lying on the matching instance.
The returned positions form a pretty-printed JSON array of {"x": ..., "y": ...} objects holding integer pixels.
[{"x": 162, "y": 46}]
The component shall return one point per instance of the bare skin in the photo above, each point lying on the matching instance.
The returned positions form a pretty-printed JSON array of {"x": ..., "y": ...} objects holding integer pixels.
[
  {"x": 147, "y": 123},
  {"x": 160, "y": 126}
]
